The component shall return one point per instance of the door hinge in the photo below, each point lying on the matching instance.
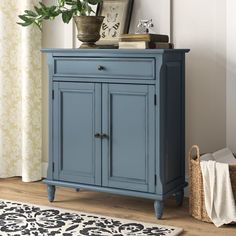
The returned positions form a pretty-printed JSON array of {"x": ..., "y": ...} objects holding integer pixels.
[
  {"x": 155, "y": 99},
  {"x": 53, "y": 167},
  {"x": 52, "y": 94},
  {"x": 155, "y": 180}
]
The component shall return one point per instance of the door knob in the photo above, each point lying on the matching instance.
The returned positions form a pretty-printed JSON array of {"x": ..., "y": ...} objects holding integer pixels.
[
  {"x": 105, "y": 136},
  {"x": 97, "y": 135}
]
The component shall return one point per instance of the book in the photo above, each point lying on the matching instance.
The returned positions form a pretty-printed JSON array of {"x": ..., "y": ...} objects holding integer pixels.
[
  {"x": 144, "y": 37},
  {"x": 106, "y": 46},
  {"x": 145, "y": 45}
]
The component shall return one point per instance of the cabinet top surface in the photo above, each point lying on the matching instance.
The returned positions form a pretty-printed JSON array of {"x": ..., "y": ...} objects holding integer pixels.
[{"x": 112, "y": 51}]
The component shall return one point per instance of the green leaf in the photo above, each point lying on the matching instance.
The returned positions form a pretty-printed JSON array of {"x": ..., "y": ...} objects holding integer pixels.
[
  {"x": 23, "y": 17},
  {"x": 38, "y": 10},
  {"x": 89, "y": 10},
  {"x": 56, "y": 13},
  {"x": 94, "y": 2},
  {"x": 44, "y": 8},
  {"x": 84, "y": 8},
  {"x": 69, "y": 2},
  {"x": 61, "y": 2},
  {"x": 43, "y": 12},
  {"x": 66, "y": 16},
  {"x": 42, "y": 5},
  {"x": 30, "y": 13},
  {"x": 79, "y": 5},
  {"x": 53, "y": 11},
  {"x": 53, "y": 8},
  {"x": 24, "y": 24}
]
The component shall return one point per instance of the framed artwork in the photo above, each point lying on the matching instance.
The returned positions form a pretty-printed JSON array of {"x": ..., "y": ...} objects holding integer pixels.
[{"x": 117, "y": 20}]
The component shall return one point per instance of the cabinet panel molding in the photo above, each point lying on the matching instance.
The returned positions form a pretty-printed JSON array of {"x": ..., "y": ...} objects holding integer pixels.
[{"x": 77, "y": 154}]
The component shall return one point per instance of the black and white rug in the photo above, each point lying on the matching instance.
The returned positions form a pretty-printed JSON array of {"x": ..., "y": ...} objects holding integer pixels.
[{"x": 25, "y": 219}]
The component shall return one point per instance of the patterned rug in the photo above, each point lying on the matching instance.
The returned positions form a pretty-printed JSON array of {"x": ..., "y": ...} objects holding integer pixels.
[{"x": 25, "y": 219}]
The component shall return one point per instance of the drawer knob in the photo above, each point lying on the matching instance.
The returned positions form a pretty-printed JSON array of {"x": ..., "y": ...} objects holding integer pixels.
[{"x": 101, "y": 67}]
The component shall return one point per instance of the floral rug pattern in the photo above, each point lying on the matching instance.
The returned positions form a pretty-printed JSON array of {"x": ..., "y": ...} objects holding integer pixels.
[{"x": 18, "y": 219}]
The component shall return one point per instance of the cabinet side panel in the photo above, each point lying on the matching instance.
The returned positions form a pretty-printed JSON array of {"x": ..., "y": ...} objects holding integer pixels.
[{"x": 174, "y": 123}]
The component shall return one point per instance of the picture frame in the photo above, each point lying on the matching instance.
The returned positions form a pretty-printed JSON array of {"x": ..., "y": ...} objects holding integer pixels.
[{"x": 117, "y": 20}]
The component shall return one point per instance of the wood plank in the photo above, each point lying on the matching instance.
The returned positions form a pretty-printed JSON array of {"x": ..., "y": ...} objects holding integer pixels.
[{"x": 111, "y": 205}]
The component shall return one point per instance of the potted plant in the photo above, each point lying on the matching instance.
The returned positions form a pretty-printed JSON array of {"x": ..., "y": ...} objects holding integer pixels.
[{"x": 80, "y": 10}]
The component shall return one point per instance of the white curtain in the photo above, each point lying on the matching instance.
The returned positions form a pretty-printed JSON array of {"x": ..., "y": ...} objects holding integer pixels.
[{"x": 20, "y": 94}]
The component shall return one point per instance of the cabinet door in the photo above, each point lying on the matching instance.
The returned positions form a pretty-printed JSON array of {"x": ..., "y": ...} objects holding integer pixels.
[
  {"x": 76, "y": 119},
  {"x": 128, "y": 152}
]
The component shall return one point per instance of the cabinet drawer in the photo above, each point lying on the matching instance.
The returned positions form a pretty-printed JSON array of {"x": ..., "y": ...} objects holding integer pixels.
[{"x": 121, "y": 68}]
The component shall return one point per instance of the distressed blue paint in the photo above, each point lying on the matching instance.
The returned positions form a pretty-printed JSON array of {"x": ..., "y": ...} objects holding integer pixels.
[
  {"x": 158, "y": 207},
  {"x": 143, "y": 153},
  {"x": 51, "y": 192}
]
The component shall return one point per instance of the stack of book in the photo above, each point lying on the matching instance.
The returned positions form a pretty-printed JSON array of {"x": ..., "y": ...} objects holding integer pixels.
[{"x": 143, "y": 41}]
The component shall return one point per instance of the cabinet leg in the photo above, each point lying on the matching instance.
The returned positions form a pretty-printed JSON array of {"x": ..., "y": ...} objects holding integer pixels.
[
  {"x": 179, "y": 197},
  {"x": 159, "y": 206},
  {"x": 51, "y": 193}
]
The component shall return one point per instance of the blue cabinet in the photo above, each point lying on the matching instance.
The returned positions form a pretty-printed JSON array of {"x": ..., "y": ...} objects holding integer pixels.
[{"x": 116, "y": 122}]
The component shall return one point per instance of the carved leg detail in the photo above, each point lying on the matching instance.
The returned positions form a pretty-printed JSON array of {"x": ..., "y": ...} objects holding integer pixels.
[
  {"x": 51, "y": 192},
  {"x": 158, "y": 206},
  {"x": 179, "y": 197}
]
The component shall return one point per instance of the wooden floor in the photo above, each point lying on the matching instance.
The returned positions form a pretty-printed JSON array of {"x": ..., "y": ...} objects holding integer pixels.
[{"x": 111, "y": 205}]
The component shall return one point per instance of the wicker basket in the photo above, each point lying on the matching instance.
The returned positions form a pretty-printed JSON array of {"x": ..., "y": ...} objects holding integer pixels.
[{"x": 196, "y": 193}]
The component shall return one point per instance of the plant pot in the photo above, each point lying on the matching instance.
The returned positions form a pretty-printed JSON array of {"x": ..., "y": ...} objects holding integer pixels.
[{"x": 88, "y": 29}]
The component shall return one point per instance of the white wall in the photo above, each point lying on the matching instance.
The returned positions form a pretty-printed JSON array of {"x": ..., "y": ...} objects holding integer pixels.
[
  {"x": 231, "y": 74},
  {"x": 198, "y": 25},
  {"x": 157, "y": 10},
  {"x": 201, "y": 26}
]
